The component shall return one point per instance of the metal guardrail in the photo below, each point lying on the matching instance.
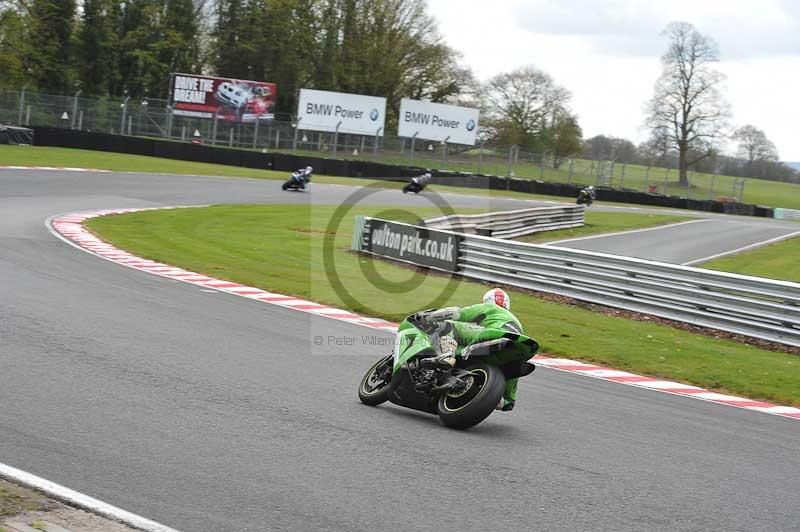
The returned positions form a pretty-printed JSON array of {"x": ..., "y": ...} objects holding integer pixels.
[
  {"x": 511, "y": 224},
  {"x": 751, "y": 306},
  {"x": 786, "y": 214}
]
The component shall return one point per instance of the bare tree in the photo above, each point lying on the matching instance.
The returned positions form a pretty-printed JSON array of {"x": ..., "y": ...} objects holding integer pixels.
[
  {"x": 687, "y": 109},
  {"x": 524, "y": 103},
  {"x": 754, "y": 145}
]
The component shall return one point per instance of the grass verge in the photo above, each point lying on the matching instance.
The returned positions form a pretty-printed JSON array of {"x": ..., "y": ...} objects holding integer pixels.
[
  {"x": 15, "y": 500},
  {"x": 598, "y": 223},
  {"x": 280, "y": 248},
  {"x": 775, "y": 261}
]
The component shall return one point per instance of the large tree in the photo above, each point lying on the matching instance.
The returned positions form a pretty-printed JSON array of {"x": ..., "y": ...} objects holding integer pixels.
[
  {"x": 98, "y": 65},
  {"x": 687, "y": 111},
  {"x": 49, "y": 57},
  {"x": 754, "y": 145},
  {"x": 12, "y": 42},
  {"x": 523, "y": 105}
]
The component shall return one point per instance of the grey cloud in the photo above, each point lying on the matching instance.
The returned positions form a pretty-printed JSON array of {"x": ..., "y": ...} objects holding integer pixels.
[{"x": 633, "y": 28}]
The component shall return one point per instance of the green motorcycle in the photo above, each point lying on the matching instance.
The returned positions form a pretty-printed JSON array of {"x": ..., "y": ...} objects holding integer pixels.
[{"x": 462, "y": 395}]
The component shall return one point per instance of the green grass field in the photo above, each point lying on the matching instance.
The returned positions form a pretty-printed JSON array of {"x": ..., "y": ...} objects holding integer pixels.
[
  {"x": 775, "y": 261},
  {"x": 598, "y": 223},
  {"x": 280, "y": 248}
]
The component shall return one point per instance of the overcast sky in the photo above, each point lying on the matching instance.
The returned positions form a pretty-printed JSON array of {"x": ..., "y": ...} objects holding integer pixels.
[{"x": 606, "y": 52}]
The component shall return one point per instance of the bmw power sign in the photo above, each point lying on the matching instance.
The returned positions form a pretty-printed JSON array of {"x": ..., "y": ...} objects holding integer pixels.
[
  {"x": 342, "y": 112},
  {"x": 438, "y": 122}
]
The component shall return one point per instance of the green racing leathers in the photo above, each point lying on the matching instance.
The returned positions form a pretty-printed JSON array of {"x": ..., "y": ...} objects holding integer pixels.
[{"x": 468, "y": 324}]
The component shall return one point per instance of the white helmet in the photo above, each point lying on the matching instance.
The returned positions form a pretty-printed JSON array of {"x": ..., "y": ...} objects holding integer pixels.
[
  {"x": 427, "y": 174},
  {"x": 309, "y": 169},
  {"x": 499, "y": 297}
]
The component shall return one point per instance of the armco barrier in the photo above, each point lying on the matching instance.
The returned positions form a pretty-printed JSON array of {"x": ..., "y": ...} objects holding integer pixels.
[
  {"x": 49, "y": 136},
  {"x": 511, "y": 224},
  {"x": 751, "y": 306}
]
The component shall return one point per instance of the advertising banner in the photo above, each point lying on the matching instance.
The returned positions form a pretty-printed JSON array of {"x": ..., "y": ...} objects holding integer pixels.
[
  {"x": 353, "y": 113},
  {"x": 438, "y": 122},
  {"x": 409, "y": 243},
  {"x": 234, "y": 100}
]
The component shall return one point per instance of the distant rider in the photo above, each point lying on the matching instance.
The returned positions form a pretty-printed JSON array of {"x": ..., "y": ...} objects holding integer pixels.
[
  {"x": 418, "y": 183},
  {"x": 587, "y": 195},
  {"x": 493, "y": 313},
  {"x": 304, "y": 175}
]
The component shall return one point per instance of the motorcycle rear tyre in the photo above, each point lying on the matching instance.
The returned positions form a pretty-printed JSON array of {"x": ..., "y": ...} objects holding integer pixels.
[{"x": 478, "y": 408}]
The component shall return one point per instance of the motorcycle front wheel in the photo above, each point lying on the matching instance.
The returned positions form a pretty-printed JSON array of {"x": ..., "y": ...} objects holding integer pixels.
[
  {"x": 469, "y": 407},
  {"x": 374, "y": 388}
]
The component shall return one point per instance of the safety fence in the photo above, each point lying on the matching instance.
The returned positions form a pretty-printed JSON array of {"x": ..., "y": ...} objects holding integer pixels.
[
  {"x": 511, "y": 224},
  {"x": 786, "y": 214},
  {"x": 751, "y": 306},
  {"x": 153, "y": 118}
]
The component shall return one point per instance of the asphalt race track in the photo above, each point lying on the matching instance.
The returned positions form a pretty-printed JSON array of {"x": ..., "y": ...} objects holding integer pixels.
[{"x": 209, "y": 412}]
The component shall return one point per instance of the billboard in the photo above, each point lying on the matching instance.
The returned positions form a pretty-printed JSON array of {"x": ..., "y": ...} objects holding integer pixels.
[
  {"x": 409, "y": 243},
  {"x": 235, "y": 100},
  {"x": 437, "y": 121},
  {"x": 353, "y": 113}
]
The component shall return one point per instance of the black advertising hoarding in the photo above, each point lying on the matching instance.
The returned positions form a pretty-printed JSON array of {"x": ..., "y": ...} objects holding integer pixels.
[
  {"x": 418, "y": 245},
  {"x": 234, "y": 100}
]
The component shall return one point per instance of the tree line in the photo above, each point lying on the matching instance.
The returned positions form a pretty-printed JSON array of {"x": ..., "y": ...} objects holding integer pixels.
[{"x": 389, "y": 48}]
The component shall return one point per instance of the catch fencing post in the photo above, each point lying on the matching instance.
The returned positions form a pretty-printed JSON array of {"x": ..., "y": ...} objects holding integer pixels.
[
  {"x": 571, "y": 167},
  {"x": 622, "y": 177},
  {"x": 363, "y": 139},
  {"x": 230, "y": 138},
  {"x": 124, "y": 112},
  {"x": 480, "y": 156},
  {"x": 21, "y": 104},
  {"x": 277, "y": 139},
  {"x": 296, "y": 129},
  {"x": 377, "y": 138},
  {"x": 541, "y": 166},
  {"x": 75, "y": 109},
  {"x": 511, "y": 159},
  {"x": 444, "y": 150},
  {"x": 168, "y": 125},
  {"x": 80, "y": 120},
  {"x": 336, "y": 137},
  {"x": 130, "y": 124},
  {"x": 413, "y": 142},
  {"x": 214, "y": 130},
  {"x": 28, "y": 116},
  {"x": 711, "y": 190},
  {"x": 183, "y": 133},
  {"x": 666, "y": 181},
  {"x": 255, "y": 132}
]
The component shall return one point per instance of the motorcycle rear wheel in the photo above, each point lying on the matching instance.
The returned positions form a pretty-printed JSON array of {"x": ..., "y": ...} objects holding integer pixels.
[
  {"x": 373, "y": 390},
  {"x": 473, "y": 405}
]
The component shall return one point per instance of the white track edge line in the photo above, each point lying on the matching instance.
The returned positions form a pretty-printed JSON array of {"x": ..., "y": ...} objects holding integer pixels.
[
  {"x": 744, "y": 248},
  {"x": 80, "y": 500},
  {"x": 632, "y": 231}
]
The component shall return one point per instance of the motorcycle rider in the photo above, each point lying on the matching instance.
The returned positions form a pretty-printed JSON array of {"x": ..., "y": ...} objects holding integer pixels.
[
  {"x": 304, "y": 174},
  {"x": 588, "y": 194},
  {"x": 418, "y": 183},
  {"x": 493, "y": 313}
]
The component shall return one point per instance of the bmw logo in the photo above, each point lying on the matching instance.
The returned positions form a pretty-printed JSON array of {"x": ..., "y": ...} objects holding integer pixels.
[
  {"x": 374, "y": 115},
  {"x": 470, "y": 125}
]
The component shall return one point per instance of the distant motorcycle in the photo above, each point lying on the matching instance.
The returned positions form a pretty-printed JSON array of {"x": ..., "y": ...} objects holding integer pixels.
[
  {"x": 299, "y": 179},
  {"x": 417, "y": 184},
  {"x": 586, "y": 196}
]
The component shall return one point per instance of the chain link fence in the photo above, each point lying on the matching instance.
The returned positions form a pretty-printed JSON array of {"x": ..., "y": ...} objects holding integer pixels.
[{"x": 153, "y": 118}]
